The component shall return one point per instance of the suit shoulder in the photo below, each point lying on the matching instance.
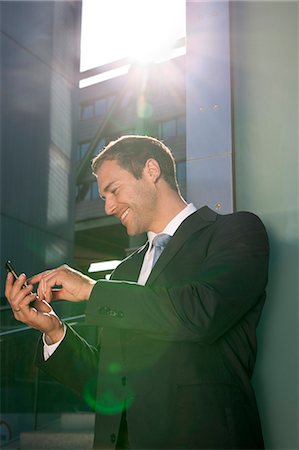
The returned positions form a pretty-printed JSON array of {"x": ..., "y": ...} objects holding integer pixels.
[
  {"x": 241, "y": 217},
  {"x": 241, "y": 225}
]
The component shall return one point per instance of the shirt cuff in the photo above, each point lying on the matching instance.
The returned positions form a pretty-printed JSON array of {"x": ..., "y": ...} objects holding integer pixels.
[{"x": 49, "y": 348}]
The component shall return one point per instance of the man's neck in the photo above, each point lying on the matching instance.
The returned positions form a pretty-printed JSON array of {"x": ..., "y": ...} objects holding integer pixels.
[{"x": 168, "y": 209}]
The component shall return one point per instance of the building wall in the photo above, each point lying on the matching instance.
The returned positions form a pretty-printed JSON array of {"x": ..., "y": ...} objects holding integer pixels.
[
  {"x": 39, "y": 84},
  {"x": 39, "y": 79},
  {"x": 208, "y": 105},
  {"x": 261, "y": 88},
  {"x": 265, "y": 92}
]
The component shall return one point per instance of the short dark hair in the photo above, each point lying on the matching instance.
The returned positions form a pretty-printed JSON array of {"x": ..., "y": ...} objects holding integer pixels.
[{"x": 132, "y": 151}]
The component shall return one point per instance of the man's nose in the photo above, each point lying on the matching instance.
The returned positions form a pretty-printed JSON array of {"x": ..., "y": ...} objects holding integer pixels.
[{"x": 109, "y": 206}]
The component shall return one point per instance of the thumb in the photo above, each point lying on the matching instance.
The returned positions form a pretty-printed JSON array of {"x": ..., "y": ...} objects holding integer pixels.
[{"x": 59, "y": 294}]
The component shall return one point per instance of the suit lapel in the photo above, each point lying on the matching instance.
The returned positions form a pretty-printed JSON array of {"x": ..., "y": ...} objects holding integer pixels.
[
  {"x": 130, "y": 267},
  {"x": 194, "y": 223}
]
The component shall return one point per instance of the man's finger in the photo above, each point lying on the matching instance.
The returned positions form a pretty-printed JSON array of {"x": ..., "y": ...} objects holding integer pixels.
[
  {"x": 18, "y": 285},
  {"x": 28, "y": 297},
  {"x": 35, "y": 278},
  {"x": 8, "y": 284},
  {"x": 42, "y": 306}
]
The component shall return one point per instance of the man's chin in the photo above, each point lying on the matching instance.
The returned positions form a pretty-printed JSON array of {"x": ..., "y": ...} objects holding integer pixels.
[
  {"x": 133, "y": 233},
  {"x": 129, "y": 231}
]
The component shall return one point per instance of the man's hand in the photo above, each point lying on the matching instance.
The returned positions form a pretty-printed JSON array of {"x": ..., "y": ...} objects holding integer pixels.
[
  {"x": 73, "y": 285},
  {"x": 39, "y": 316}
]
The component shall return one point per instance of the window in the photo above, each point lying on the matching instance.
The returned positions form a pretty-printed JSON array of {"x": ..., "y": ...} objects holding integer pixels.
[
  {"x": 100, "y": 106},
  {"x": 181, "y": 126},
  {"x": 91, "y": 194},
  {"x": 82, "y": 149},
  {"x": 96, "y": 108},
  {"x": 110, "y": 100},
  {"x": 101, "y": 144},
  {"x": 168, "y": 129},
  {"x": 87, "y": 111},
  {"x": 94, "y": 191},
  {"x": 172, "y": 128}
]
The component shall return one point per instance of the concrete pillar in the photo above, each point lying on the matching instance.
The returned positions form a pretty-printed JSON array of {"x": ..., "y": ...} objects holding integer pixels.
[{"x": 208, "y": 106}]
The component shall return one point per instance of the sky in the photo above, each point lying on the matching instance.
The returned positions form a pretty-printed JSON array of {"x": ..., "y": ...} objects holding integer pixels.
[{"x": 141, "y": 29}]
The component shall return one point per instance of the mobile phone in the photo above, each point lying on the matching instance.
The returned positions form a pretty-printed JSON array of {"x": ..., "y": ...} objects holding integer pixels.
[{"x": 9, "y": 268}]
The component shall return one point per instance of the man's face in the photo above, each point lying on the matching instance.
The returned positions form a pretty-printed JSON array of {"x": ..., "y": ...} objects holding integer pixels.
[{"x": 132, "y": 200}]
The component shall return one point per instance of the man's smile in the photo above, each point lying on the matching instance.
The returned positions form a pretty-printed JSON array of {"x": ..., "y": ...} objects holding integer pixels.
[{"x": 123, "y": 215}]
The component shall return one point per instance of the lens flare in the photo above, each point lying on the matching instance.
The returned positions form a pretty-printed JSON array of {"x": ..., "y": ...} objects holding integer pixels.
[{"x": 144, "y": 30}]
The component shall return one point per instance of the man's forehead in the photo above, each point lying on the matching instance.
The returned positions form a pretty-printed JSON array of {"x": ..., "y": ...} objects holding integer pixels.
[
  {"x": 109, "y": 173},
  {"x": 108, "y": 163},
  {"x": 107, "y": 169}
]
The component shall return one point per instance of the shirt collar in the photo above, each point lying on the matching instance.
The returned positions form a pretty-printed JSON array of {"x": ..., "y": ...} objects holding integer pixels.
[{"x": 174, "y": 224}]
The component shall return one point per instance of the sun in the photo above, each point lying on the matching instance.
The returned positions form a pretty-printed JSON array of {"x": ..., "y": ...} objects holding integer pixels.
[{"x": 145, "y": 30}]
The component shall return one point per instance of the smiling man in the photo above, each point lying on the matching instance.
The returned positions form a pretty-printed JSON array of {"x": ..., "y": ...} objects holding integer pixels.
[
  {"x": 177, "y": 319},
  {"x": 137, "y": 179}
]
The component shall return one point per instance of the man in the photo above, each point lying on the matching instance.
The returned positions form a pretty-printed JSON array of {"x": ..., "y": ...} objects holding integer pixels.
[{"x": 178, "y": 342}]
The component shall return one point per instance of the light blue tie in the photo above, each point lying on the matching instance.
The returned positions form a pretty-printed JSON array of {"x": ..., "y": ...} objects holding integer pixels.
[{"x": 159, "y": 243}]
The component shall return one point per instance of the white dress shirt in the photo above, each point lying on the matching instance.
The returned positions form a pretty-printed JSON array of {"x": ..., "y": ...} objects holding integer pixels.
[
  {"x": 170, "y": 229},
  {"x": 146, "y": 268}
]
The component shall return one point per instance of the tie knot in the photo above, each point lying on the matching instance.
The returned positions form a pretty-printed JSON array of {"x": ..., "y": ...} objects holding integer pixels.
[
  {"x": 161, "y": 240},
  {"x": 159, "y": 243}
]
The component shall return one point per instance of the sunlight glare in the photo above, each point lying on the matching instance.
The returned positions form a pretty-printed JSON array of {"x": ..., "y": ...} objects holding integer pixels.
[{"x": 141, "y": 29}]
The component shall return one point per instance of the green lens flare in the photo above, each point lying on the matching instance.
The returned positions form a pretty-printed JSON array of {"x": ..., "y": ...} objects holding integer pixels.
[
  {"x": 112, "y": 397},
  {"x": 144, "y": 108}
]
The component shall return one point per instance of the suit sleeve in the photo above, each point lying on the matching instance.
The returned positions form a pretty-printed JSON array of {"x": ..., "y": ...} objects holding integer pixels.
[
  {"x": 74, "y": 363},
  {"x": 228, "y": 283}
]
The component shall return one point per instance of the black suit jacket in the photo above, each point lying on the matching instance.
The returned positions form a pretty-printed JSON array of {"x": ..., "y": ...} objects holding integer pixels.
[{"x": 176, "y": 354}]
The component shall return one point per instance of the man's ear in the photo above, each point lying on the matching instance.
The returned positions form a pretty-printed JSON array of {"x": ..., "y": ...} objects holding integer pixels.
[{"x": 152, "y": 169}]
